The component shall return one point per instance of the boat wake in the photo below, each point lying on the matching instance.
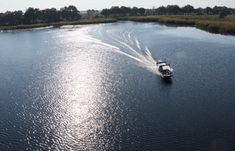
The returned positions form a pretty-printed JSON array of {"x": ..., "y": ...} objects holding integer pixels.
[{"x": 125, "y": 43}]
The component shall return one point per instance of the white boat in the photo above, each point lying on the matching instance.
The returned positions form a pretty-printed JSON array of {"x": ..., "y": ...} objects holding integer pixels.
[{"x": 164, "y": 69}]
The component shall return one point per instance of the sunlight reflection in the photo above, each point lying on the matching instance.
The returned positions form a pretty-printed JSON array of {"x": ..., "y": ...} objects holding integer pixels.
[{"x": 80, "y": 76}]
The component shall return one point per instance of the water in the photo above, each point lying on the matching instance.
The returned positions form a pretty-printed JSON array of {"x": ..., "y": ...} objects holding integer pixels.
[{"x": 96, "y": 87}]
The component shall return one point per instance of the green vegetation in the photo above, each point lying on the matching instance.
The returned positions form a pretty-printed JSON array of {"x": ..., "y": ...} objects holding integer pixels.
[
  {"x": 58, "y": 24},
  {"x": 37, "y": 16},
  {"x": 123, "y": 11},
  {"x": 211, "y": 23},
  {"x": 116, "y": 11},
  {"x": 216, "y": 19},
  {"x": 84, "y": 21},
  {"x": 17, "y": 27}
]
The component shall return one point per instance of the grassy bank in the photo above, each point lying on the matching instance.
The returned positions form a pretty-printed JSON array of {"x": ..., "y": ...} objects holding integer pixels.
[
  {"x": 58, "y": 24},
  {"x": 86, "y": 21},
  {"x": 208, "y": 23}
]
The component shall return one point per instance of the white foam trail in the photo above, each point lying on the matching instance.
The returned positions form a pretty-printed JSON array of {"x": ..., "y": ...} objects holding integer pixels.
[
  {"x": 91, "y": 39},
  {"x": 149, "y": 54},
  {"x": 145, "y": 60},
  {"x": 127, "y": 46},
  {"x": 129, "y": 35},
  {"x": 129, "y": 38},
  {"x": 113, "y": 48},
  {"x": 119, "y": 51},
  {"x": 137, "y": 44}
]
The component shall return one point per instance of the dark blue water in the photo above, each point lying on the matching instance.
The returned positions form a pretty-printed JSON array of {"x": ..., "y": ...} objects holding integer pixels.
[{"x": 96, "y": 88}]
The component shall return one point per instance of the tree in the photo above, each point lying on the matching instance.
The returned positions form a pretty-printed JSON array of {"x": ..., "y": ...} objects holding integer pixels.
[
  {"x": 209, "y": 11},
  {"x": 50, "y": 15},
  {"x": 114, "y": 11},
  {"x": 173, "y": 9},
  {"x": 199, "y": 11},
  {"x": 31, "y": 15},
  {"x": 11, "y": 18},
  {"x": 125, "y": 11},
  {"x": 134, "y": 11},
  {"x": 141, "y": 11},
  {"x": 105, "y": 12},
  {"x": 69, "y": 13},
  {"x": 161, "y": 10},
  {"x": 188, "y": 9}
]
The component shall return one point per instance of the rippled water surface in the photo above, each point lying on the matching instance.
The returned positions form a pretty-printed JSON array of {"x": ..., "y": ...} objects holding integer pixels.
[{"x": 96, "y": 87}]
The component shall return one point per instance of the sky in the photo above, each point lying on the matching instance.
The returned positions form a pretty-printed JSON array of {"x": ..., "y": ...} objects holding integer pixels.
[{"x": 100, "y": 4}]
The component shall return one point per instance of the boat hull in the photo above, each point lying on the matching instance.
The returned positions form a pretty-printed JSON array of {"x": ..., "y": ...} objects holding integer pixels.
[{"x": 166, "y": 76}]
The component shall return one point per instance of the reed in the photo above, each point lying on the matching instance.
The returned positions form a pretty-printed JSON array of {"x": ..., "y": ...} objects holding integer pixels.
[
  {"x": 210, "y": 23},
  {"x": 58, "y": 24}
]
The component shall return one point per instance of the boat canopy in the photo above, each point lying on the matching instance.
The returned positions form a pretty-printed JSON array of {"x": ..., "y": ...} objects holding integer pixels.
[
  {"x": 167, "y": 68},
  {"x": 162, "y": 64}
]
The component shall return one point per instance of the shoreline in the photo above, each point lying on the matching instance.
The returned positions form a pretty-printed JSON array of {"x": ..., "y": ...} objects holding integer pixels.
[
  {"x": 59, "y": 24},
  {"x": 210, "y": 24}
]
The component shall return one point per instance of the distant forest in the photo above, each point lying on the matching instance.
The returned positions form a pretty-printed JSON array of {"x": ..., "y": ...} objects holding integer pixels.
[
  {"x": 168, "y": 10},
  {"x": 71, "y": 13},
  {"x": 35, "y": 16}
]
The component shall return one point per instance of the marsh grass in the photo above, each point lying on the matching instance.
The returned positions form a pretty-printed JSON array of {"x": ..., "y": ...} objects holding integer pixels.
[
  {"x": 211, "y": 23},
  {"x": 58, "y": 24}
]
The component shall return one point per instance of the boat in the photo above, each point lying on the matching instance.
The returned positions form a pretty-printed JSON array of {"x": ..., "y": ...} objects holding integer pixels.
[{"x": 164, "y": 69}]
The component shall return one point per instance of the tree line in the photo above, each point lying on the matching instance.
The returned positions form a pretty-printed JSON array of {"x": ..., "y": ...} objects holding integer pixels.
[
  {"x": 35, "y": 16},
  {"x": 71, "y": 13},
  {"x": 116, "y": 11},
  {"x": 188, "y": 9},
  {"x": 166, "y": 10}
]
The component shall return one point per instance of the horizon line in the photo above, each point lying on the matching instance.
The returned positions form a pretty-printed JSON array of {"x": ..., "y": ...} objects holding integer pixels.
[{"x": 111, "y": 7}]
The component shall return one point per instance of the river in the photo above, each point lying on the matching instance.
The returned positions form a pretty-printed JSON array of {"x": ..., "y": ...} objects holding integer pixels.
[{"x": 96, "y": 87}]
